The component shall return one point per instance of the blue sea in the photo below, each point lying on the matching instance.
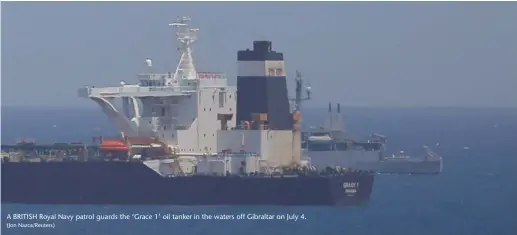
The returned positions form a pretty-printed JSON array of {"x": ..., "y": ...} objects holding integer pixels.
[{"x": 475, "y": 194}]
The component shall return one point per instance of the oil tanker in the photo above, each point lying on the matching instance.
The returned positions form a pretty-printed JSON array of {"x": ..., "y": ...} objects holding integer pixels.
[
  {"x": 187, "y": 138},
  {"x": 100, "y": 182}
]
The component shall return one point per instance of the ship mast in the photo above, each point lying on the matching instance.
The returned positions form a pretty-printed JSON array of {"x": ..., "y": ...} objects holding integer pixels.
[
  {"x": 186, "y": 36},
  {"x": 299, "y": 90}
]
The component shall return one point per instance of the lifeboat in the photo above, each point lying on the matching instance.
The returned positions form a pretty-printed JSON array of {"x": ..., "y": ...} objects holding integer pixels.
[
  {"x": 120, "y": 144},
  {"x": 113, "y": 145}
]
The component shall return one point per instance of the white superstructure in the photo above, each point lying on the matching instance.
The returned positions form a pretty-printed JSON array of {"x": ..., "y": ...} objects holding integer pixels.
[
  {"x": 180, "y": 108},
  {"x": 194, "y": 113}
]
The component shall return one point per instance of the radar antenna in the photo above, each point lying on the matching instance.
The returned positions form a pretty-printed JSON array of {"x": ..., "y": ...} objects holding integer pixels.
[{"x": 186, "y": 36}]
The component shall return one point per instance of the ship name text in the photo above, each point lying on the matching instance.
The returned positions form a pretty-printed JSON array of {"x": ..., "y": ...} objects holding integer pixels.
[{"x": 350, "y": 188}]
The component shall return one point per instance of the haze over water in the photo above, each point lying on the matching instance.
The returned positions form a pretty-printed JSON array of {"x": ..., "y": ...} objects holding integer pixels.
[
  {"x": 475, "y": 194},
  {"x": 358, "y": 54}
]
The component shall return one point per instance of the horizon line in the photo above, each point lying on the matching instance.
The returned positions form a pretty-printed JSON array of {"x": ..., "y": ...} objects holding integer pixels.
[{"x": 307, "y": 106}]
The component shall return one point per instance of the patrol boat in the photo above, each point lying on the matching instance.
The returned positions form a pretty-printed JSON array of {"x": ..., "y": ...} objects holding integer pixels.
[
  {"x": 329, "y": 144},
  {"x": 187, "y": 138},
  {"x": 430, "y": 163}
]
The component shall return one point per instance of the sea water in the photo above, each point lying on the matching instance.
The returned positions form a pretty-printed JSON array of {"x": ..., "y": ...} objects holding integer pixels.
[{"x": 475, "y": 194}]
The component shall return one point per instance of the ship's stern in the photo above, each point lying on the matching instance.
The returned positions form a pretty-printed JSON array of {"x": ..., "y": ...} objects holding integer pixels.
[{"x": 351, "y": 188}]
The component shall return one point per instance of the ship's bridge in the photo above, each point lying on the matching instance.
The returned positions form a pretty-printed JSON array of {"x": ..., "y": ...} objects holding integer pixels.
[
  {"x": 153, "y": 85},
  {"x": 183, "y": 109}
]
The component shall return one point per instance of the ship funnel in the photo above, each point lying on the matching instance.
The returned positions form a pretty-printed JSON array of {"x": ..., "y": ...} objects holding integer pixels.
[{"x": 262, "y": 86}]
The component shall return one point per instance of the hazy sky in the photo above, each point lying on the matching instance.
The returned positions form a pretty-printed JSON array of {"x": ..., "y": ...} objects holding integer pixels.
[{"x": 364, "y": 54}]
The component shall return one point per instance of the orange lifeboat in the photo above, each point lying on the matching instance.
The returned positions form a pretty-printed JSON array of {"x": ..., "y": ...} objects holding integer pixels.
[
  {"x": 113, "y": 145},
  {"x": 129, "y": 142}
]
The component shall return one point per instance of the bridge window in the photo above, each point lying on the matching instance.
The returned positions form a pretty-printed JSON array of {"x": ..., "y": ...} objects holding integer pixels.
[
  {"x": 271, "y": 72},
  {"x": 148, "y": 83},
  {"x": 320, "y": 147},
  {"x": 320, "y": 134}
]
